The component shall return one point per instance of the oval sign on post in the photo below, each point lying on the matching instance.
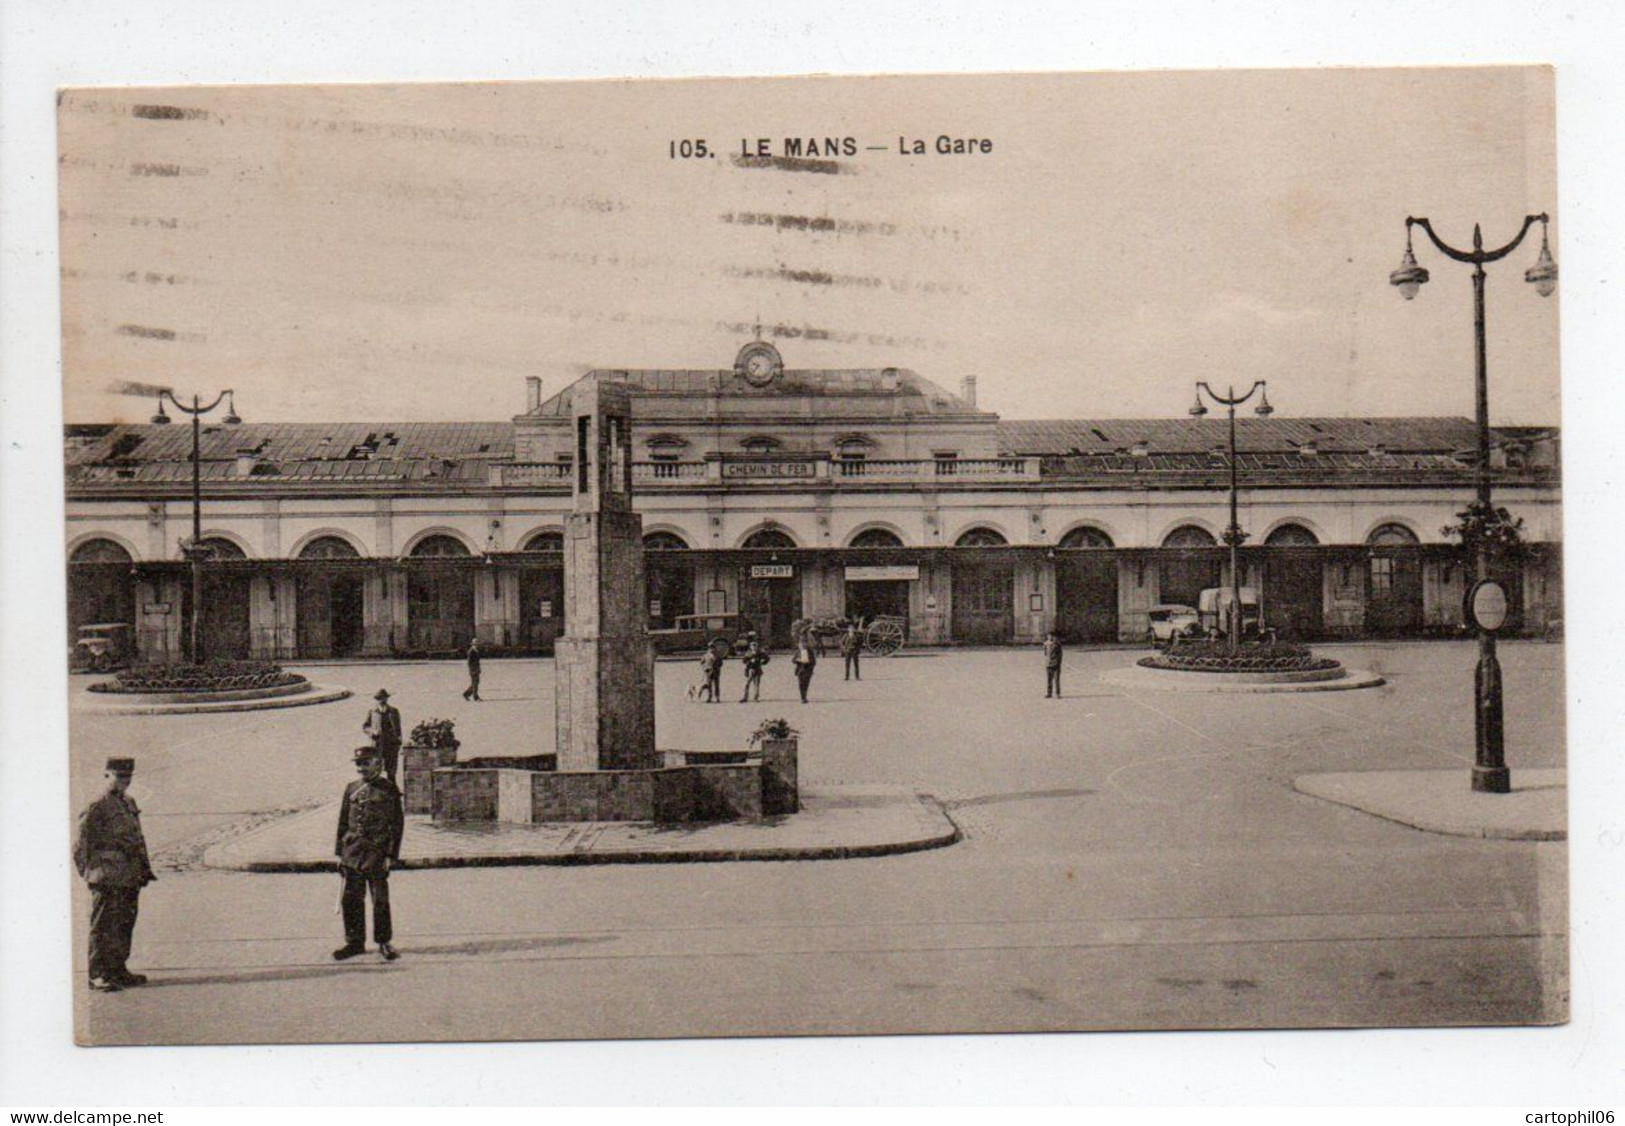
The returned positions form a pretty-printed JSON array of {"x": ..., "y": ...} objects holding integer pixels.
[{"x": 1487, "y": 605}]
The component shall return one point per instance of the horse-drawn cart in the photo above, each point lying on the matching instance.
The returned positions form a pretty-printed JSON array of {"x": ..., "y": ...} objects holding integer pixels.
[{"x": 882, "y": 634}]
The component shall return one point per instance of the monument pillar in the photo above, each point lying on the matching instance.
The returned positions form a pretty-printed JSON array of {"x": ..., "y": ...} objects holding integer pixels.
[{"x": 604, "y": 700}]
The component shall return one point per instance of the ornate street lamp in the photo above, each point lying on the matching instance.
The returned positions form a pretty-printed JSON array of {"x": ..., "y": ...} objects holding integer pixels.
[
  {"x": 194, "y": 551},
  {"x": 1490, "y": 774},
  {"x": 1233, "y": 535}
]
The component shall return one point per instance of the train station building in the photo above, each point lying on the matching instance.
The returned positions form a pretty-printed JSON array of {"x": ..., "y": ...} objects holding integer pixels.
[{"x": 785, "y": 493}]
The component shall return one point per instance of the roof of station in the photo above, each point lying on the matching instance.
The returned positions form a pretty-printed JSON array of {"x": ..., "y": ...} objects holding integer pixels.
[
  {"x": 877, "y": 391},
  {"x": 1199, "y": 435}
]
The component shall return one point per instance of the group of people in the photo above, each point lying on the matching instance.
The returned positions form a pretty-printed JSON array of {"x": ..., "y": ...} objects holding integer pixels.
[
  {"x": 110, "y": 851},
  {"x": 755, "y": 659}
]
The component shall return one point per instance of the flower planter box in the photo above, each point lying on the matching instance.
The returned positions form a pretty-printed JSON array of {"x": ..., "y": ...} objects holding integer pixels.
[{"x": 418, "y": 765}]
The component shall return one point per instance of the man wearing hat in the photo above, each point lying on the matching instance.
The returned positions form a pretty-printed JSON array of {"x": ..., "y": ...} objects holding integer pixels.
[
  {"x": 371, "y": 820},
  {"x": 472, "y": 692},
  {"x": 111, "y": 855},
  {"x": 383, "y": 725}
]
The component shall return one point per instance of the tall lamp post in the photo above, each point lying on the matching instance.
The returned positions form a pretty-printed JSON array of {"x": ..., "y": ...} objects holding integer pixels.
[
  {"x": 195, "y": 552},
  {"x": 1233, "y": 535},
  {"x": 1490, "y": 774}
]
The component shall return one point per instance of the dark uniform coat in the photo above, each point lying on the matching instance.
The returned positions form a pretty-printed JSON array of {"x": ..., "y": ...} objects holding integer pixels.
[
  {"x": 110, "y": 851},
  {"x": 371, "y": 821}
]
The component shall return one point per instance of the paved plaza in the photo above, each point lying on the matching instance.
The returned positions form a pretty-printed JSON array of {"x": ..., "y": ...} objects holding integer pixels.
[{"x": 1128, "y": 860}]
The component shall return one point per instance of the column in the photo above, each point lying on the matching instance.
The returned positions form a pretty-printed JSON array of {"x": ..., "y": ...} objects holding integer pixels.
[
  {"x": 1138, "y": 581},
  {"x": 496, "y": 606}
]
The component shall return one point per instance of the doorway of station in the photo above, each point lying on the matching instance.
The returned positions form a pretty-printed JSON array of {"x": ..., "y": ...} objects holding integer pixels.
[
  {"x": 344, "y": 612},
  {"x": 869, "y": 599},
  {"x": 983, "y": 608},
  {"x": 1294, "y": 597},
  {"x": 329, "y": 615},
  {"x": 1086, "y": 596},
  {"x": 671, "y": 590},
  {"x": 1393, "y": 606},
  {"x": 772, "y": 605},
  {"x": 225, "y": 625},
  {"x": 439, "y": 610},
  {"x": 541, "y": 607}
]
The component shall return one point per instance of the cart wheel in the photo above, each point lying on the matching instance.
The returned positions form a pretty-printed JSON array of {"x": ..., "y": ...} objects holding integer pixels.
[{"x": 882, "y": 639}]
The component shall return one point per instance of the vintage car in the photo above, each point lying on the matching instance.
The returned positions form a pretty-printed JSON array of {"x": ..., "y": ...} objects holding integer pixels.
[
  {"x": 690, "y": 633},
  {"x": 103, "y": 647},
  {"x": 1172, "y": 622}
]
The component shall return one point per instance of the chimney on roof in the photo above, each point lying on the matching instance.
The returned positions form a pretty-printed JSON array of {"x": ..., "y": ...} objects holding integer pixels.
[
  {"x": 533, "y": 392},
  {"x": 247, "y": 459},
  {"x": 1142, "y": 448},
  {"x": 888, "y": 379},
  {"x": 967, "y": 390}
]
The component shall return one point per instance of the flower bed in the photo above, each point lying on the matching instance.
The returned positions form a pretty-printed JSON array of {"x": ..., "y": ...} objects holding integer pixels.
[
  {"x": 215, "y": 676},
  {"x": 1211, "y": 656}
]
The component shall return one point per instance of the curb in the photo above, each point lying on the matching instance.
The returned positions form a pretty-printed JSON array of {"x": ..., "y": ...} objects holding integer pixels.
[
  {"x": 1318, "y": 786},
  {"x": 318, "y": 694},
  {"x": 953, "y": 835},
  {"x": 1169, "y": 681}
]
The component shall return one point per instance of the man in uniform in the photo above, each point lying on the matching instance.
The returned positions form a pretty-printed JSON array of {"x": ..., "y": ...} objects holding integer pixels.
[
  {"x": 472, "y": 692},
  {"x": 1052, "y": 665},
  {"x": 371, "y": 820},
  {"x": 111, "y": 855},
  {"x": 383, "y": 724}
]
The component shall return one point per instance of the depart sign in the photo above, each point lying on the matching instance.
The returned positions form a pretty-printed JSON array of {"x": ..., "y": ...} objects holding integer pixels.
[
  {"x": 772, "y": 571},
  {"x": 906, "y": 571}
]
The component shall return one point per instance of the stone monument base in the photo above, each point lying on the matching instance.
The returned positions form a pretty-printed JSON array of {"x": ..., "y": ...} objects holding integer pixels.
[{"x": 691, "y": 787}]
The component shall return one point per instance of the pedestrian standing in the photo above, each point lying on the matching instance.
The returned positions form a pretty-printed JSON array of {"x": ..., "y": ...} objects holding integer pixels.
[
  {"x": 805, "y": 661},
  {"x": 383, "y": 726},
  {"x": 472, "y": 692},
  {"x": 755, "y": 661},
  {"x": 371, "y": 821},
  {"x": 851, "y": 648},
  {"x": 718, "y": 652},
  {"x": 1052, "y": 666},
  {"x": 111, "y": 854}
]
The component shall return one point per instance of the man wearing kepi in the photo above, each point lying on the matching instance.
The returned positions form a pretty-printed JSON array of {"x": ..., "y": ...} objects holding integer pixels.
[
  {"x": 111, "y": 854},
  {"x": 371, "y": 820}
]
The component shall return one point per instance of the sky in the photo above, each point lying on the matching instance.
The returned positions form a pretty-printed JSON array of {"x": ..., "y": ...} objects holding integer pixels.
[{"x": 412, "y": 252}]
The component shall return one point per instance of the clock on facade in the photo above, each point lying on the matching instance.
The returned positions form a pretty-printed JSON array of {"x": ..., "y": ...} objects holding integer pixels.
[{"x": 759, "y": 363}]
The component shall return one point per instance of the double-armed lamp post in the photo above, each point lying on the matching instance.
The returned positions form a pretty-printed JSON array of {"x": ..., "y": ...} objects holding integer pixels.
[
  {"x": 194, "y": 551},
  {"x": 1233, "y": 535},
  {"x": 1490, "y": 774}
]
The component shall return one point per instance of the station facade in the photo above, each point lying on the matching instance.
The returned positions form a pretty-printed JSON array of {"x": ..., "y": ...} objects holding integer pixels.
[{"x": 784, "y": 493}]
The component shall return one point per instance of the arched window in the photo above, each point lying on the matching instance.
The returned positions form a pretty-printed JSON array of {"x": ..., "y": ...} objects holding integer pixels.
[
  {"x": 981, "y": 537},
  {"x": 222, "y": 548},
  {"x": 664, "y": 541},
  {"x": 329, "y": 547},
  {"x": 766, "y": 539},
  {"x": 1391, "y": 535},
  {"x": 100, "y": 551},
  {"x": 1188, "y": 535},
  {"x": 1086, "y": 538},
  {"x": 1291, "y": 535},
  {"x": 443, "y": 546},
  {"x": 549, "y": 540},
  {"x": 877, "y": 537},
  {"x": 761, "y": 444}
]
